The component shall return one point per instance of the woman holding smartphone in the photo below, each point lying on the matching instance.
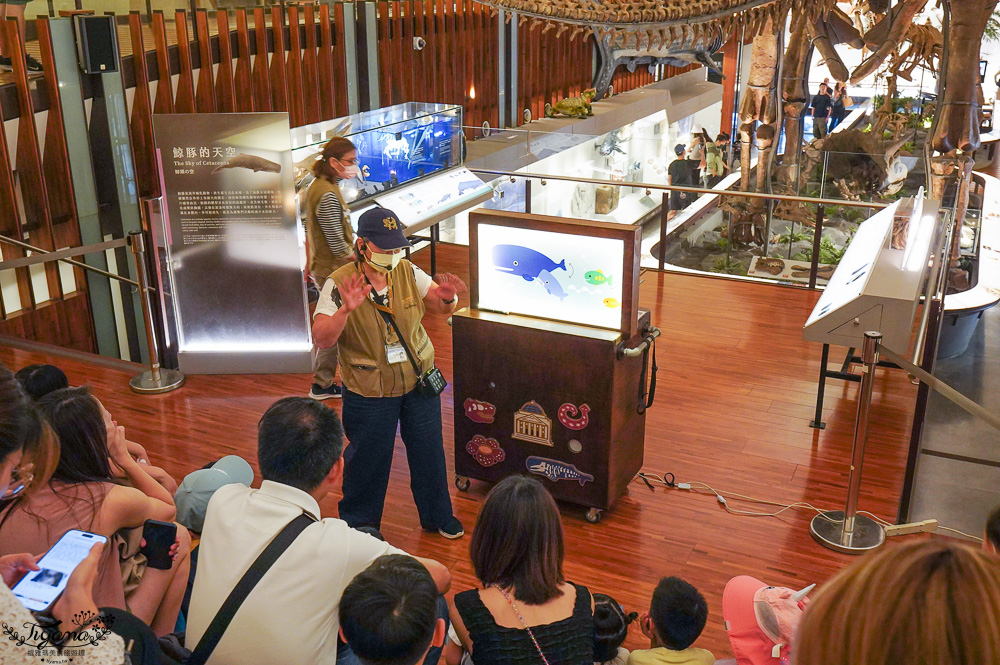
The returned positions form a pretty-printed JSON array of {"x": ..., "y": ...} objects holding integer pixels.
[
  {"x": 85, "y": 494},
  {"x": 21, "y": 427}
]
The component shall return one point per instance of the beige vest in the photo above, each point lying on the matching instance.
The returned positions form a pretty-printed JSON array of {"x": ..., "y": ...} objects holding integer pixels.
[
  {"x": 363, "y": 366},
  {"x": 322, "y": 262}
]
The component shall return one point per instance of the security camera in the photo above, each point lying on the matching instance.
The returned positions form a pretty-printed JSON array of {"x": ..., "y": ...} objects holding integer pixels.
[{"x": 419, "y": 43}]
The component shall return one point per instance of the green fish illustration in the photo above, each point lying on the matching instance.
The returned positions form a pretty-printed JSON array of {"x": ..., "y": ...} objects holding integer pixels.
[{"x": 596, "y": 277}]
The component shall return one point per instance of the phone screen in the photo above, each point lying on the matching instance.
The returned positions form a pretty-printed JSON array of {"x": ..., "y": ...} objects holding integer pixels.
[{"x": 39, "y": 588}]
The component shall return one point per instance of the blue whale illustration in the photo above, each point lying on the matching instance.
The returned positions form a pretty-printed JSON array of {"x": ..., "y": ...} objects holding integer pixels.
[
  {"x": 551, "y": 284},
  {"x": 523, "y": 261},
  {"x": 555, "y": 470}
]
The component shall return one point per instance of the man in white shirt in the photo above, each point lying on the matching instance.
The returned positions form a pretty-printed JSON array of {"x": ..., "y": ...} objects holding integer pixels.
[{"x": 292, "y": 615}]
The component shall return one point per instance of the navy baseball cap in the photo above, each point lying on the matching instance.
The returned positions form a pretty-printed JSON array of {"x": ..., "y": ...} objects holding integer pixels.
[{"x": 382, "y": 227}]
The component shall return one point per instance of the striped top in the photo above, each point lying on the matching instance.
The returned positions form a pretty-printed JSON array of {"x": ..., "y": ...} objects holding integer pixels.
[{"x": 329, "y": 213}]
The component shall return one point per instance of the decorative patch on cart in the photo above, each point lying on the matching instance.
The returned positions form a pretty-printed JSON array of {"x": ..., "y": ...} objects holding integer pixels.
[
  {"x": 486, "y": 451},
  {"x": 532, "y": 425},
  {"x": 574, "y": 445},
  {"x": 555, "y": 470},
  {"x": 479, "y": 412},
  {"x": 572, "y": 418}
]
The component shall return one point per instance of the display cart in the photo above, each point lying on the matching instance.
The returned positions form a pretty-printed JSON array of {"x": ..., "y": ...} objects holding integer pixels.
[{"x": 554, "y": 361}]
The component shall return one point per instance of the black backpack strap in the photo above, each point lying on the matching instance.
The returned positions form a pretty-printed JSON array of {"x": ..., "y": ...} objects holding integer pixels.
[{"x": 274, "y": 549}]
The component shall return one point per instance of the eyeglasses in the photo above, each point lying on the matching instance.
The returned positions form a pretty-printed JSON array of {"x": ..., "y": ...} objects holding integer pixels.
[
  {"x": 348, "y": 162},
  {"x": 20, "y": 480}
]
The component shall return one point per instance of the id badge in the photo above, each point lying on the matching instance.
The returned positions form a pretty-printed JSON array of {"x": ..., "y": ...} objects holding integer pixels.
[{"x": 394, "y": 353}]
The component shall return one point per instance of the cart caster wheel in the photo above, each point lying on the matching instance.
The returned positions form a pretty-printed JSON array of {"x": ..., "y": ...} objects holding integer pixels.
[
  {"x": 593, "y": 515},
  {"x": 462, "y": 483}
]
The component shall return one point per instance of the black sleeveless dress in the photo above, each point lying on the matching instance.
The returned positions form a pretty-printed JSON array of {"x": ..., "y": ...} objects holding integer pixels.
[{"x": 569, "y": 641}]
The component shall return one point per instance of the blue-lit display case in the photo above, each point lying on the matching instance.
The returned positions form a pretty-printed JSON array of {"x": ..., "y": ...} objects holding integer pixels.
[{"x": 396, "y": 145}]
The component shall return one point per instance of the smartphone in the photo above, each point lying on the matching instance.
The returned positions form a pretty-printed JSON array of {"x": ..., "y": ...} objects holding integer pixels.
[
  {"x": 159, "y": 537},
  {"x": 39, "y": 589}
]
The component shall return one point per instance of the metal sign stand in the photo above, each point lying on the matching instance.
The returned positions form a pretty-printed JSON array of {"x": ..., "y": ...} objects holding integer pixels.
[{"x": 845, "y": 530}]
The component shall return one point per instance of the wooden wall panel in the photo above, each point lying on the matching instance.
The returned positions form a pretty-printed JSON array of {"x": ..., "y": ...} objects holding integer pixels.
[
  {"x": 261, "y": 70},
  {"x": 242, "y": 79},
  {"x": 310, "y": 75},
  {"x": 205, "y": 99},
  {"x": 279, "y": 81},
  {"x": 225, "y": 93},
  {"x": 141, "y": 121},
  {"x": 164, "y": 101},
  {"x": 28, "y": 160},
  {"x": 67, "y": 323},
  {"x": 293, "y": 70},
  {"x": 340, "y": 59},
  {"x": 184, "y": 99},
  {"x": 324, "y": 65}
]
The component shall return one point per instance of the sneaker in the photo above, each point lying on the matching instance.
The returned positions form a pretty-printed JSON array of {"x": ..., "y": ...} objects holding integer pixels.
[
  {"x": 32, "y": 65},
  {"x": 5, "y": 64},
  {"x": 452, "y": 530},
  {"x": 318, "y": 393}
]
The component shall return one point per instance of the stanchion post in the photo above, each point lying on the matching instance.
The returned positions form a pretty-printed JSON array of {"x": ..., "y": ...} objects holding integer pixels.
[
  {"x": 156, "y": 379},
  {"x": 847, "y": 531}
]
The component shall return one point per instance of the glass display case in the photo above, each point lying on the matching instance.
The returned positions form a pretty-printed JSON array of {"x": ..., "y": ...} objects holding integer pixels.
[{"x": 396, "y": 145}]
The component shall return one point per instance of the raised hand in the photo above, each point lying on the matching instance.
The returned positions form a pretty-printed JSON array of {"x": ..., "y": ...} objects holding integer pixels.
[
  {"x": 353, "y": 292},
  {"x": 449, "y": 285}
]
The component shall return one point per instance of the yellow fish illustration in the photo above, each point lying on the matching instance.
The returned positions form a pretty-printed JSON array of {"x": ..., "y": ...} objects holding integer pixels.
[{"x": 611, "y": 302}]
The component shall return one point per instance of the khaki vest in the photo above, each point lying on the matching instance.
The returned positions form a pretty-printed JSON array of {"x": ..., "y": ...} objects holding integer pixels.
[
  {"x": 363, "y": 366},
  {"x": 322, "y": 262}
]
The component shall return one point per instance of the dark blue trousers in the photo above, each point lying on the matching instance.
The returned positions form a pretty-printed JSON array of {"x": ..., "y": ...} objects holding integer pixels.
[{"x": 370, "y": 424}]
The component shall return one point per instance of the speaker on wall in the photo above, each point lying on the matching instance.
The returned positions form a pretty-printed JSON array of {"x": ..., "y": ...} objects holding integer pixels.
[{"x": 96, "y": 43}]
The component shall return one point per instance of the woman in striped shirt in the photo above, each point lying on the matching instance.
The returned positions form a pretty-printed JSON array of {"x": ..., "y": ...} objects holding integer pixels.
[{"x": 331, "y": 240}]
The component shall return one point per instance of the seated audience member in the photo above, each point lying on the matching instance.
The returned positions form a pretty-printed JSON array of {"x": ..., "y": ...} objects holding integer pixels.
[
  {"x": 292, "y": 615},
  {"x": 526, "y": 612},
  {"x": 390, "y": 615},
  {"x": 40, "y": 380},
  {"x": 761, "y": 620},
  {"x": 991, "y": 539},
  {"x": 21, "y": 428},
  {"x": 610, "y": 630},
  {"x": 924, "y": 603},
  {"x": 676, "y": 617},
  {"x": 192, "y": 499},
  {"x": 83, "y": 494}
]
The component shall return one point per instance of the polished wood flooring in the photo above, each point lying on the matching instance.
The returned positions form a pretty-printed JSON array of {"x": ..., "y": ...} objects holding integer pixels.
[{"x": 735, "y": 395}]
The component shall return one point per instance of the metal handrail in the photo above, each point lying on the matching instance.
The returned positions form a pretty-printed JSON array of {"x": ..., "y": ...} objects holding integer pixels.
[
  {"x": 156, "y": 379},
  {"x": 682, "y": 188},
  {"x": 63, "y": 256}
]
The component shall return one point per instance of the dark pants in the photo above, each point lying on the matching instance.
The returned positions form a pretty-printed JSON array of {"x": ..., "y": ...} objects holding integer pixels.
[{"x": 370, "y": 426}]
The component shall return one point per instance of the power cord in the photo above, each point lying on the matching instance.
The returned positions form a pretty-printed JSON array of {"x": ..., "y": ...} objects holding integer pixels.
[{"x": 669, "y": 480}]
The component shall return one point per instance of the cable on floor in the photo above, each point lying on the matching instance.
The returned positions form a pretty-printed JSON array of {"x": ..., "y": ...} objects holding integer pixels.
[{"x": 669, "y": 480}]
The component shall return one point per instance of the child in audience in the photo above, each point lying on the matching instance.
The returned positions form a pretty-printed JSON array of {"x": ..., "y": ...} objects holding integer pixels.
[
  {"x": 676, "y": 617},
  {"x": 924, "y": 603},
  {"x": 991, "y": 539},
  {"x": 40, "y": 380},
  {"x": 610, "y": 630},
  {"x": 392, "y": 613}
]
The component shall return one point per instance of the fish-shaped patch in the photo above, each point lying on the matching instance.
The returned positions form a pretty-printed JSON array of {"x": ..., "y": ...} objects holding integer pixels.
[
  {"x": 611, "y": 302},
  {"x": 252, "y": 162},
  {"x": 551, "y": 284},
  {"x": 596, "y": 277},
  {"x": 555, "y": 470},
  {"x": 523, "y": 261}
]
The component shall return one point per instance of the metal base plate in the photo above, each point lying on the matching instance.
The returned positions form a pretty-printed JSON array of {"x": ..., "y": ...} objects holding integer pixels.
[
  {"x": 828, "y": 530},
  {"x": 170, "y": 379}
]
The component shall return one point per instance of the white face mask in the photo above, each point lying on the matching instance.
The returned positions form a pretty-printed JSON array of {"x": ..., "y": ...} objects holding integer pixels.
[{"x": 384, "y": 262}]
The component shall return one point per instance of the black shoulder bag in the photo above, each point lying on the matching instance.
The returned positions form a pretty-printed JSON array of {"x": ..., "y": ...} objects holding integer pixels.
[
  {"x": 274, "y": 549},
  {"x": 429, "y": 384}
]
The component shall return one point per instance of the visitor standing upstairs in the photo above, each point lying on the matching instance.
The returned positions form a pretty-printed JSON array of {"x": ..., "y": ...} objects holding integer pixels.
[{"x": 821, "y": 106}]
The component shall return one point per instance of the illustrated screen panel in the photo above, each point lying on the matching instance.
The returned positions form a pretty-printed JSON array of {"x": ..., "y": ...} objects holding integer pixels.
[{"x": 567, "y": 277}]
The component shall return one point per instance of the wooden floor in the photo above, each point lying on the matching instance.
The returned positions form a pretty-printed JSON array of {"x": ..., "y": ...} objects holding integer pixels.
[{"x": 735, "y": 396}]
